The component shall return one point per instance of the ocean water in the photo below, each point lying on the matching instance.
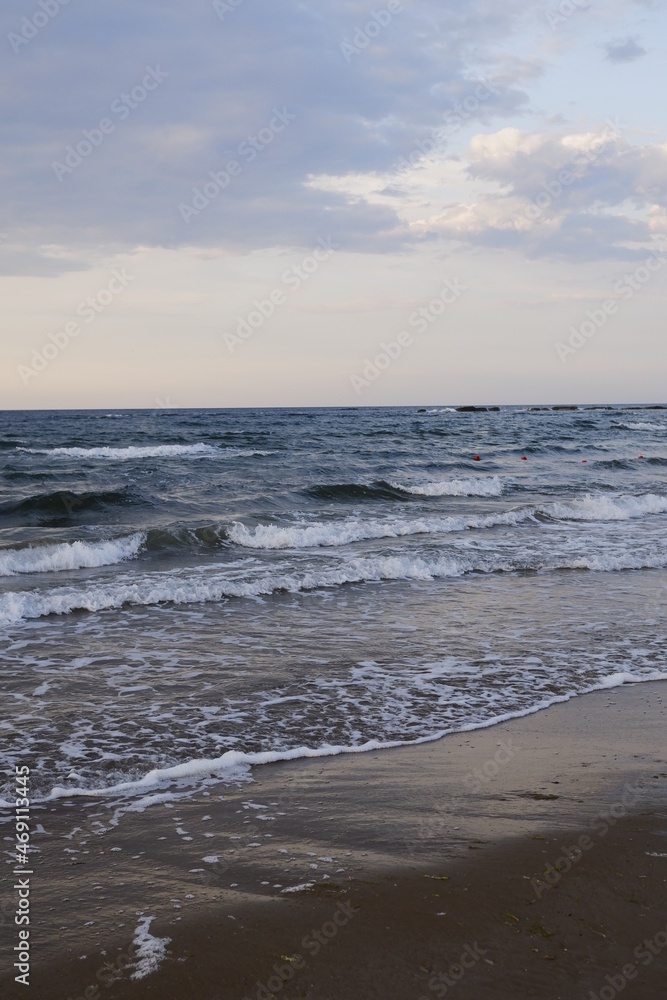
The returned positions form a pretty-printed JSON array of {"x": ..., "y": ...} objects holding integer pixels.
[{"x": 185, "y": 595}]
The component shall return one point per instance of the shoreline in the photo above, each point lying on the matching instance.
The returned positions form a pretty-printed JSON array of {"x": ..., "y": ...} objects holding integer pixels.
[
  {"x": 412, "y": 847},
  {"x": 246, "y": 763}
]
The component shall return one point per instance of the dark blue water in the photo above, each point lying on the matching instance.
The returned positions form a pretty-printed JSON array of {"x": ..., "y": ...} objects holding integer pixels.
[{"x": 179, "y": 587}]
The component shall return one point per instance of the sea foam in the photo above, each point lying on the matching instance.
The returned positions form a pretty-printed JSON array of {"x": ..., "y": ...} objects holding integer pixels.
[
  {"x": 230, "y": 581},
  {"x": 490, "y": 486},
  {"x": 148, "y": 451},
  {"x": 69, "y": 555}
]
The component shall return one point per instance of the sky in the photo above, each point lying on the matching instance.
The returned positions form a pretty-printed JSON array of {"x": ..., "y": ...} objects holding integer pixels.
[{"x": 282, "y": 203}]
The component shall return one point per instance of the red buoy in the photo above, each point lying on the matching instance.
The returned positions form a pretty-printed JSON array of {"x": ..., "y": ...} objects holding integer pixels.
[
  {"x": 477, "y": 458},
  {"x": 584, "y": 461},
  {"x": 523, "y": 458},
  {"x": 640, "y": 457}
]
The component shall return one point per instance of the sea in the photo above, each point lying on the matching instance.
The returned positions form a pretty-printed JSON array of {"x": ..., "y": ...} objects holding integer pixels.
[{"x": 186, "y": 595}]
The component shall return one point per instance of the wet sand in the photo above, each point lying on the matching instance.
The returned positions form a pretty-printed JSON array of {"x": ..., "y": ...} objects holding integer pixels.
[{"x": 528, "y": 860}]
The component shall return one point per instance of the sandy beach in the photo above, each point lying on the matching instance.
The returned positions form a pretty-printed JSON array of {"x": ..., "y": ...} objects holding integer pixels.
[
  {"x": 333, "y": 501},
  {"x": 525, "y": 860}
]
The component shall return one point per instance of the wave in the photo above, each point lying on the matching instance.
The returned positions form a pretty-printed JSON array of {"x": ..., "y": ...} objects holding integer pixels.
[
  {"x": 641, "y": 426},
  {"x": 604, "y": 508},
  {"x": 130, "y": 452},
  {"x": 471, "y": 487},
  {"x": 63, "y": 503},
  {"x": 81, "y": 554},
  {"x": 380, "y": 490},
  {"x": 178, "y": 537},
  {"x": 197, "y": 588},
  {"x": 14, "y": 475},
  {"x": 235, "y": 766},
  {"x": 383, "y": 490},
  {"x": 69, "y": 555},
  {"x": 149, "y": 451},
  {"x": 334, "y": 533},
  {"x": 628, "y": 463},
  {"x": 216, "y": 583}
]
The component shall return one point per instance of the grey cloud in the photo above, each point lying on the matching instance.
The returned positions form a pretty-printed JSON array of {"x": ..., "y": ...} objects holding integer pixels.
[
  {"x": 224, "y": 78},
  {"x": 624, "y": 51}
]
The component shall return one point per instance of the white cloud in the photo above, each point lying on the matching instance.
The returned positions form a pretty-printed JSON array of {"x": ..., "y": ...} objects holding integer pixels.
[{"x": 540, "y": 191}]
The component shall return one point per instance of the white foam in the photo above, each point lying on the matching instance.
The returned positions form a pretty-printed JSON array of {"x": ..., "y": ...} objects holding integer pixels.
[
  {"x": 344, "y": 532},
  {"x": 149, "y": 451},
  {"x": 611, "y": 562},
  {"x": 150, "y": 951},
  {"x": 490, "y": 486},
  {"x": 195, "y": 588},
  {"x": 641, "y": 425},
  {"x": 333, "y": 533},
  {"x": 69, "y": 555},
  {"x": 606, "y": 508},
  {"x": 234, "y": 765},
  {"x": 214, "y": 583}
]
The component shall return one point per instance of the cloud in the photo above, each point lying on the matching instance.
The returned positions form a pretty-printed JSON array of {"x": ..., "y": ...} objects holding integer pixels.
[
  {"x": 221, "y": 81},
  {"x": 363, "y": 87},
  {"x": 576, "y": 195},
  {"x": 624, "y": 51}
]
